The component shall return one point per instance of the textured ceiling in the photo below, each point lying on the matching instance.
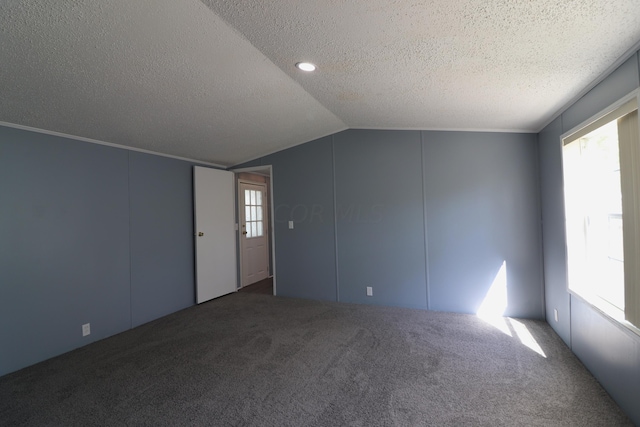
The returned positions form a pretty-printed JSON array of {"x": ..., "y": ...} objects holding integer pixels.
[
  {"x": 162, "y": 75},
  {"x": 214, "y": 80}
]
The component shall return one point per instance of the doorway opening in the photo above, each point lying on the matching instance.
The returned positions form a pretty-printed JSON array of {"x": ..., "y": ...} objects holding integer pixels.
[{"x": 254, "y": 216}]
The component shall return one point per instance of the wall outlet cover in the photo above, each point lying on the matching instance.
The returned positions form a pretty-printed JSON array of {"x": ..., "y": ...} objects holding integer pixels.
[
  {"x": 369, "y": 291},
  {"x": 86, "y": 329}
]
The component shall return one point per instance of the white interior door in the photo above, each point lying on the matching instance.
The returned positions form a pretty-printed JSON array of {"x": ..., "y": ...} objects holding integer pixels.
[
  {"x": 215, "y": 233},
  {"x": 254, "y": 244}
]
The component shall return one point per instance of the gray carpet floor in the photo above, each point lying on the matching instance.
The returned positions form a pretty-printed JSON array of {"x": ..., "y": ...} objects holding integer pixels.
[{"x": 258, "y": 360}]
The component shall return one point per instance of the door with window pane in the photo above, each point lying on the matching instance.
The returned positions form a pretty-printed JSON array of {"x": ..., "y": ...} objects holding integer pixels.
[{"x": 253, "y": 232}]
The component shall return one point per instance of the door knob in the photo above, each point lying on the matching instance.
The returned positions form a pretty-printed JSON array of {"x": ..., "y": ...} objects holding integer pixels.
[
  {"x": 200, "y": 234},
  {"x": 244, "y": 232}
]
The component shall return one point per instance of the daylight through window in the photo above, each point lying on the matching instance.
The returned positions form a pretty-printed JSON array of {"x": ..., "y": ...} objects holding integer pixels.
[
  {"x": 253, "y": 213},
  {"x": 601, "y": 185}
]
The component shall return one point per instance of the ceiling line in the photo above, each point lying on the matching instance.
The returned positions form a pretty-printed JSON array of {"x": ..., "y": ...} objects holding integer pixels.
[
  {"x": 628, "y": 54},
  {"x": 108, "y": 144}
]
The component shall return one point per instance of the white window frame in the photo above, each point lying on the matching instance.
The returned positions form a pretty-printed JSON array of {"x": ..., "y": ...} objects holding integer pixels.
[{"x": 631, "y": 227}]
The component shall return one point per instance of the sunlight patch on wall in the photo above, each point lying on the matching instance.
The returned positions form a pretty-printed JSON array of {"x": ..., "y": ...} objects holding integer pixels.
[{"x": 495, "y": 302}]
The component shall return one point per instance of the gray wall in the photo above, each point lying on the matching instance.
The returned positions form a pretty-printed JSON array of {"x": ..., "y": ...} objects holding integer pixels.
[
  {"x": 380, "y": 217},
  {"x": 425, "y": 218},
  {"x": 482, "y": 211},
  {"x": 162, "y": 249},
  {"x": 305, "y": 256},
  {"x": 609, "y": 351},
  {"x": 88, "y": 233}
]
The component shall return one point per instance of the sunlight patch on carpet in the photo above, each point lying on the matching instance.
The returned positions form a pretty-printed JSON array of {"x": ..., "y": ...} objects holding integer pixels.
[{"x": 525, "y": 337}]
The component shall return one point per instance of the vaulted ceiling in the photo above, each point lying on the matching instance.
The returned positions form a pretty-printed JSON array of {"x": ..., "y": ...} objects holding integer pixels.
[{"x": 214, "y": 80}]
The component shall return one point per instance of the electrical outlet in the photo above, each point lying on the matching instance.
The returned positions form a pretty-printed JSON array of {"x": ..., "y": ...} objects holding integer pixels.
[
  {"x": 369, "y": 291},
  {"x": 555, "y": 314},
  {"x": 290, "y": 225},
  {"x": 86, "y": 329}
]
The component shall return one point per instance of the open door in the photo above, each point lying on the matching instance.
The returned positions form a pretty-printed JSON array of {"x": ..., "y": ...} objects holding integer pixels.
[{"x": 214, "y": 205}]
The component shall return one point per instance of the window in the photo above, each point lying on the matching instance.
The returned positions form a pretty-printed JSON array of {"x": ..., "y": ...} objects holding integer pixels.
[
  {"x": 253, "y": 213},
  {"x": 602, "y": 207}
]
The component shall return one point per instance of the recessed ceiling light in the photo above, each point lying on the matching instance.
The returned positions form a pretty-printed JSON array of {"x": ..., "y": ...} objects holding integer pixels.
[{"x": 305, "y": 66}]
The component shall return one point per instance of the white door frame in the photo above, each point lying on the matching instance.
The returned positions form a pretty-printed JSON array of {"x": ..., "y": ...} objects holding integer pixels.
[{"x": 261, "y": 170}]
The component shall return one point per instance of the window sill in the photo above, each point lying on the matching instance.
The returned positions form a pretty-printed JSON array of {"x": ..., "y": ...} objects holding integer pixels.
[{"x": 610, "y": 312}]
